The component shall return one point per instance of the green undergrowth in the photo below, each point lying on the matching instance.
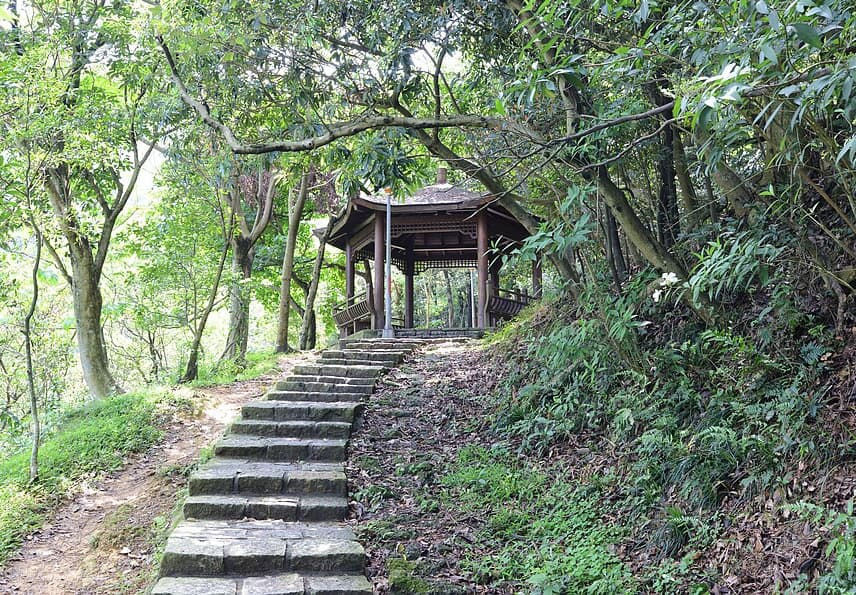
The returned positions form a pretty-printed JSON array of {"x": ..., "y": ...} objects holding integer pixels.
[
  {"x": 691, "y": 414},
  {"x": 542, "y": 531},
  {"x": 88, "y": 440},
  {"x": 258, "y": 363}
]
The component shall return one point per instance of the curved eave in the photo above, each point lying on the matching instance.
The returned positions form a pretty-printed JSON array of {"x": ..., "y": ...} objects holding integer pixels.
[{"x": 359, "y": 211}]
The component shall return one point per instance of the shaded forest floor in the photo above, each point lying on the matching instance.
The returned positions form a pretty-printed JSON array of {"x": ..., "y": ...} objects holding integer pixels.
[
  {"x": 424, "y": 534},
  {"x": 418, "y": 419},
  {"x": 106, "y": 539}
]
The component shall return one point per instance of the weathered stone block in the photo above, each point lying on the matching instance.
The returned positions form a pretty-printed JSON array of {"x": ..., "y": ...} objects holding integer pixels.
[
  {"x": 276, "y": 508},
  {"x": 215, "y": 507},
  {"x": 321, "y": 555},
  {"x": 338, "y": 585},
  {"x": 193, "y": 557},
  {"x": 194, "y": 586},
  {"x": 284, "y": 584},
  {"x": 255, "y": 556},
  {"x": 261, "y": 480},
  {"x": 316, "y": 482}
]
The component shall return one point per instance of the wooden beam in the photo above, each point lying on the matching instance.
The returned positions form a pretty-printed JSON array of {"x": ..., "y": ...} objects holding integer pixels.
[
  {"x": 349, "y": 273},
  {"x": 379, "y": 254},
  {"x": 482, "y": 238}
]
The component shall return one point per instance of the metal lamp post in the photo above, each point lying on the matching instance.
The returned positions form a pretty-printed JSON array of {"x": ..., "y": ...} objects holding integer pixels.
[{"x": 388, "y": 333}]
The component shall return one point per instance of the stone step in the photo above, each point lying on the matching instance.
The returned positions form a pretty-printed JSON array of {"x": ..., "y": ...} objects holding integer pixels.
[
  {"x": 339, "y": 430},
  {"x": 301, "y": 410},
  {"x": 386, "y": 356},
  {"x": 345, "y": 362},
  {"x": 351, "y": 372},
  {"x": 223, "y": 547},
  {"x": 323, "y": 387},
  {"x": 380, "y": 344},
  {"x": 294, "y": 395},
  {"x": 278, "y": 584},
  {"x": 281, "y": 449},
  {"x": 223, "y": 476},
  {"x": 324, "y": 368},
  {"x": 340, "y": 380},
  {"x": 283, "y": 507}
]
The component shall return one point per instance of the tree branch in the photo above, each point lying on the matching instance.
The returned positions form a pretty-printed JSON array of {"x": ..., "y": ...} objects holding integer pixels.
[{"x": 335, "y": 132}]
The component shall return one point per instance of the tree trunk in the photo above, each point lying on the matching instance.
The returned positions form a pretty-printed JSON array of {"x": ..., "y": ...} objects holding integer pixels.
[
  {"x": 428, "y": 296},
  {"x": 735, "y": 191},
  {"x": 243, "y": 254},
  {"x": 191, "y": 372},
  {"x": 653, "y": 251},
  {"x": 450, "y": 316},
  {"x": 309, "y": 312},
  {"x": 689, "y": 198},
  {"x": 87, "y": 300},
  {"x": 295, "y": 211},
  {"x": 613, "y": 250},
  {"x": 239, "y": 301},
  {"x": 667, "y": 197},
  {"x": 28, "y": 349}
]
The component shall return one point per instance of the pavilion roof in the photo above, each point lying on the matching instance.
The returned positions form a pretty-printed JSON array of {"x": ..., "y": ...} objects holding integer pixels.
[
  {"x": 437, "y": 222},
  {"x": 436, "y": 194}
]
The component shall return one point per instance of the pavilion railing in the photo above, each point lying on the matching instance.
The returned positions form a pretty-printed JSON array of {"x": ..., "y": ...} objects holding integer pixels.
[
  {"x": 507, "y": 303},
  {"x": 358, "y": 309}
]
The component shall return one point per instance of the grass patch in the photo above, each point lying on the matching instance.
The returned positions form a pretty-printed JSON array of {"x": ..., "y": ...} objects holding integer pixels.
[
  {"x": 258, "y": 364},
  {"x": 540, "y": 530},
  {"x": 90, "y": 439}
]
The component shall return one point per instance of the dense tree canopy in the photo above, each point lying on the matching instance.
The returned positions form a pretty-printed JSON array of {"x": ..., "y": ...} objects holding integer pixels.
[{"x": 689, "y": 169}]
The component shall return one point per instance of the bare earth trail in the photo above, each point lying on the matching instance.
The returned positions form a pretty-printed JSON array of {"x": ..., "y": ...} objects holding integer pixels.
[{"x": 100, "y": 541}]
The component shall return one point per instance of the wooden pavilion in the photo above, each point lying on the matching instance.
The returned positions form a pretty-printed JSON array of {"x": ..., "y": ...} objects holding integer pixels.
[{"x": 439, "y": 227}]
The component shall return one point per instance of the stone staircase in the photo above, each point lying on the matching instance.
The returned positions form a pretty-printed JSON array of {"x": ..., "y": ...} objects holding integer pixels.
[{"x": 265, "y": 515}]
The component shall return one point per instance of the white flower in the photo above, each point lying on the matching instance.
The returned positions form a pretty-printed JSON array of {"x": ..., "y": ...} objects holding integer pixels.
[
  {"x": 656, "y": 295},
  {"x": 668, "y": 279}
]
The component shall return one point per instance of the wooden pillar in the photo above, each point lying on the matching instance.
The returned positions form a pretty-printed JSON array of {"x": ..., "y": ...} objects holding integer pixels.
[
  {"x": 481, "y": 256},
  {"x": 537, "y": 276},
  {"x": 379, "y": 253},
  {"x": 494, "y": 277},
  {"x": 349, "y": 273},
  {"x": 410, "y": 271}
]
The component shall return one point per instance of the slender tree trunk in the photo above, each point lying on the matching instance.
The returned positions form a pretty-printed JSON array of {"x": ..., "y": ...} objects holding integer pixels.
[
  {"x": 295, "y": 211},
  {"x": 191, "y": 372},
  {"x": 243, "y": 254},
  {"x": 667, "y": 199},
  {"x": 309, "y": 312},
  {"x": 239, "y": 302},
  {"x": 739, "y": 197},
  {"x": 28, "y": 349},
  {"x": 450, "y": 313},
  {"x": 651, "y": 249},
  {"x": 427, "y": 286},
  {"x": 689, "y": 198},
  {"x": 613, "y": 250}
]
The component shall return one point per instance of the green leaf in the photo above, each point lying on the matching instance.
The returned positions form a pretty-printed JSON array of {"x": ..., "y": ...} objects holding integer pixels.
[
  {"x": 807, "y": 33},
  {"x": 846, "y": 89},
  {"x": 769, "y": 53}
]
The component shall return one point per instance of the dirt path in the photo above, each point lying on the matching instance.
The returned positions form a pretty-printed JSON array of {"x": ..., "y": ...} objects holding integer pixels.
[{"x": 102, "y": 541}]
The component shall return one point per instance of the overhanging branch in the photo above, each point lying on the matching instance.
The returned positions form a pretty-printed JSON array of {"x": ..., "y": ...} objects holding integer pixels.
[{"x": 335, "y": 131}]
